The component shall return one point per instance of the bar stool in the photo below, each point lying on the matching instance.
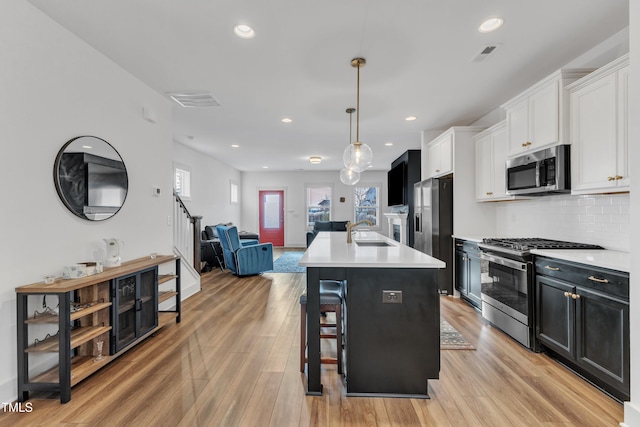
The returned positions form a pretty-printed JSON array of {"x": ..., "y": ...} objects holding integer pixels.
[{"x": 331, "y": 296}]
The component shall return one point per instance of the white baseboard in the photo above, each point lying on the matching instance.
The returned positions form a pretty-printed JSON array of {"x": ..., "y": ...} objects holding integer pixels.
[{"x": 631, "y": 415}]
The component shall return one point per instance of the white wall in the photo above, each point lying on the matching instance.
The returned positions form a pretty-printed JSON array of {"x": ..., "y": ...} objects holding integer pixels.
[
  {"x": 597, "y": 219},
  {"x": 55, "y": 87},
  {"x": 294, "y": 185},
  {"x": 210, "y": 187}
]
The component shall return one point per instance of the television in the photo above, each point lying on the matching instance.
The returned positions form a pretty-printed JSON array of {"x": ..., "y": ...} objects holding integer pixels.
[
  {"x": 396, "y": 185},
  {"x": 106, "y": 185},
  {"x": 91, "y": 186}
]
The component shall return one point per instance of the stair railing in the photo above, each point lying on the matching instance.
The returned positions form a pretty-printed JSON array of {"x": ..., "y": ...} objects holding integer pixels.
[{"x": 186, "y": 233}]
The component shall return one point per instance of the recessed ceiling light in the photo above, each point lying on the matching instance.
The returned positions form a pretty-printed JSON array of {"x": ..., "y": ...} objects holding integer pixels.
[
  {"x": 490, "y": 24},
  {"x": 410, "y": 118},
  {"x": 388, "y": 144},
  {"x": 235, "y": 146},
  {"x": 265, "y": 167},
  {"x": 244, "y": 31},
  {"x": 87, "y": 146},
  {"x": 286, "y": 120},
  {"x": 315, "y": 159}
]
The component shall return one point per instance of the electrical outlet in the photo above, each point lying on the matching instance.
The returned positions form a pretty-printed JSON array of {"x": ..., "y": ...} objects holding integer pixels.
[{"x": 392, "y": 297}]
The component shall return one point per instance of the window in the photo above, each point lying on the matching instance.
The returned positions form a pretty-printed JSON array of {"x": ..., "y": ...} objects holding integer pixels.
[
  {"x": 318, "y": 204},
  {"x": 182, "y": 181},
  {"x": 366, "y": 203},
  {"x": 233, "y": 193}
]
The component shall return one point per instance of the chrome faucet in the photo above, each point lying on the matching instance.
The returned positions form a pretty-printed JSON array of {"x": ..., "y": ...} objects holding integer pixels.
[{"x": 350, "y": 226}]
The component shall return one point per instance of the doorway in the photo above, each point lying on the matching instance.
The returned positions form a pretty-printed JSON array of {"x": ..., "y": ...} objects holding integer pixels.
[{"x": 272, "y": 216}]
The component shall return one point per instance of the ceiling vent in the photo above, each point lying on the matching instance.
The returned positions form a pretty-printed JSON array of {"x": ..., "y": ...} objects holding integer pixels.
[
  {"x": 195, "y": 99},
  {"x": 485, "y": 52}
]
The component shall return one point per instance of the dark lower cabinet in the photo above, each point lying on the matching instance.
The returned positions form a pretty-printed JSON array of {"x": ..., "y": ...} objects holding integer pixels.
[
  {"x": 135, "y": 311},
  {"x": 583, "y": 319},
  {"x": 461, "y": 271},
  {"x": 468, "y": 271},
  {"x": 556, "y": 314}
]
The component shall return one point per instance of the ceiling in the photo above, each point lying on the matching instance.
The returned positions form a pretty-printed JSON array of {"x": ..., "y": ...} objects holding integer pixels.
[{"x": 419, "y": 62}]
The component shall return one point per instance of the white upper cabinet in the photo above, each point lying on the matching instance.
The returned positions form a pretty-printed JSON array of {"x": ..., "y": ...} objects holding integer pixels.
[
  {"x": 538, "y": 117},
  {"x": 440, "y": 155},
  {"x": 491, "y": 156},
  {"x": 599, "y": 130}
]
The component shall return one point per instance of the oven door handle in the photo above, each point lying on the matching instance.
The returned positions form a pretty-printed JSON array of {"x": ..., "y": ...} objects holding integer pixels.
[{"x": 504, "y": 261}]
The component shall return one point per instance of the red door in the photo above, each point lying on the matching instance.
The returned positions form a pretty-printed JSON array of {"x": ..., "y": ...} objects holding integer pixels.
[{"x": 272, "y": 217}]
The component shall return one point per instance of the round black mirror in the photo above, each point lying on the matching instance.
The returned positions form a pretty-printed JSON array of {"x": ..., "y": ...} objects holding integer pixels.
[{"x": 90, "y": 178}]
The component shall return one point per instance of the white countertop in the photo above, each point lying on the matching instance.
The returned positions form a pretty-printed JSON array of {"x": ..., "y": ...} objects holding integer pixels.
[
  {"x": 614, "y": 260},
  {"x": 330, "y": 249}
]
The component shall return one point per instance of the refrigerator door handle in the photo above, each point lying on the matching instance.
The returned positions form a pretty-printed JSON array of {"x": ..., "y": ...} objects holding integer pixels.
[{"x": 417, "y": 222}]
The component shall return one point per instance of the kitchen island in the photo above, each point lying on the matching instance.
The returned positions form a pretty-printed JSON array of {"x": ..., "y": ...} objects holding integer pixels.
[{"x": 391, "y": 313}]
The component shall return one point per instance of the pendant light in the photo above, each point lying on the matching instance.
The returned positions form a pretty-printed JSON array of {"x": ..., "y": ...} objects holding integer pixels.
[
  {"x": 347, "y": 175},
  {"x": 357, "y": 156}
]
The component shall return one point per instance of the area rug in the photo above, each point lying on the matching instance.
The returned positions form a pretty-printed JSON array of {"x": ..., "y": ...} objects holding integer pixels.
[
  {"x": 450, "y": 339},
  {"x": 288, "y": 263}
]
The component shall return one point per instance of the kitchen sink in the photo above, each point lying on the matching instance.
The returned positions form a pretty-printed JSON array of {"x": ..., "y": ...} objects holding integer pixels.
[{"x": 378, "y": 243}]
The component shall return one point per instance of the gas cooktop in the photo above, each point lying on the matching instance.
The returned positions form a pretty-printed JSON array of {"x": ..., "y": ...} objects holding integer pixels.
[{"x": 524, "y": 245}]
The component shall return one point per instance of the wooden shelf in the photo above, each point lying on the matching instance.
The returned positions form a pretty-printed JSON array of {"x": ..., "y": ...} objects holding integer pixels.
[
  {"x": 163, "y": 278},
  {"x": 95, "y": 304},
  {"x": 165, "y": 295},
  {"x": 81, "y": 368},
  {"x": 60, "y": 286},
  {"x": 79, "y": 336},
  {"x": 53, "y": 318}
]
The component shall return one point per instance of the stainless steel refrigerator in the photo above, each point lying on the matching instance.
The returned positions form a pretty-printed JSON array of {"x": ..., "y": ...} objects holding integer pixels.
[{"x": 433, "y": 225}]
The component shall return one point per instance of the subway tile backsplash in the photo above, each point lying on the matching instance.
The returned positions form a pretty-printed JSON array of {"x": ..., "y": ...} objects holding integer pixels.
[{"x": 601, "y": 219}]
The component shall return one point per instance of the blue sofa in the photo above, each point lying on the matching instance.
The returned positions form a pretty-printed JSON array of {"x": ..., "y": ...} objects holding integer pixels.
[
  {"x": 244, "y": 259},
  {"x": 319, "y": 226}
]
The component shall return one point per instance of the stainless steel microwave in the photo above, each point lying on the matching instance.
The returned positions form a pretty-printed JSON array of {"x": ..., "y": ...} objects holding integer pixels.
[{"x": 539, "y": 173}]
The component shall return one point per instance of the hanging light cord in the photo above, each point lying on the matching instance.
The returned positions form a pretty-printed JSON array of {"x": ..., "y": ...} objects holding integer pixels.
[
  {"x": 358, "y": 107},
  {"x": 350, "y": 122}
]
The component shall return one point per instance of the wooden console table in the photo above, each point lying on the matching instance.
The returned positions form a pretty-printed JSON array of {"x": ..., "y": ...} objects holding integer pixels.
[{"x": 118, "y": 307}]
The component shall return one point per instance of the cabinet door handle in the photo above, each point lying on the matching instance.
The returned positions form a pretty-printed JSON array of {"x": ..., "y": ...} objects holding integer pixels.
[
  {"x": 437, "y": 170},
  {"x": 611, "y": 178},
  {"x": 617, "y": 177},
  {"x": 595, "y": 279},
  {"x": 489, "y": 193},
  {"x": 575, "y": 296},
  {"x": 459, "y": 244},
  {"x": 567, "y": 294},
  {"x": 524, "y": 144},
  {"x": 548, "y": 267}
]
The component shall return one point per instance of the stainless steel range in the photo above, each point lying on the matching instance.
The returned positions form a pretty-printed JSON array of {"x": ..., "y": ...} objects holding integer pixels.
[{"x": 508, "y": 285}]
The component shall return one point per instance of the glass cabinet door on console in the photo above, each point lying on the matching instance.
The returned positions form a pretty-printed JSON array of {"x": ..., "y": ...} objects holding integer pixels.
[{"x": 135, "y": 307}]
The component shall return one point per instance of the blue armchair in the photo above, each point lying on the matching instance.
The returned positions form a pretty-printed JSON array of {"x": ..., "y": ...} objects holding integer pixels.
[{"x": 244, "y": 260}]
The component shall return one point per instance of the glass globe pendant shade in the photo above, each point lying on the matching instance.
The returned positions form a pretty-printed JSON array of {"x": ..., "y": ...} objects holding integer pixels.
[
  {"x": 357, "y": 156},
  {"x": 349, "y": 176}
]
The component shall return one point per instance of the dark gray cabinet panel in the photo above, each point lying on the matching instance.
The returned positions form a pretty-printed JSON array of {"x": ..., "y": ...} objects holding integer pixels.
[
  {"x": 602, "y": 345},
  {"x": 392, "y": 349},
  {"x": 473, "y": 257},
  {"x": 462, "y": 272},
  {"x": 582, "y": 317},
  {"x": 468, "y": 271},
  {"x": 555, "y": 324}
]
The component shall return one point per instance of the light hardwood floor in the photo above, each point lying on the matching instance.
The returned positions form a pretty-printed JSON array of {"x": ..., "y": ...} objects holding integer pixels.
[{"x": 234, "y": 361}]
